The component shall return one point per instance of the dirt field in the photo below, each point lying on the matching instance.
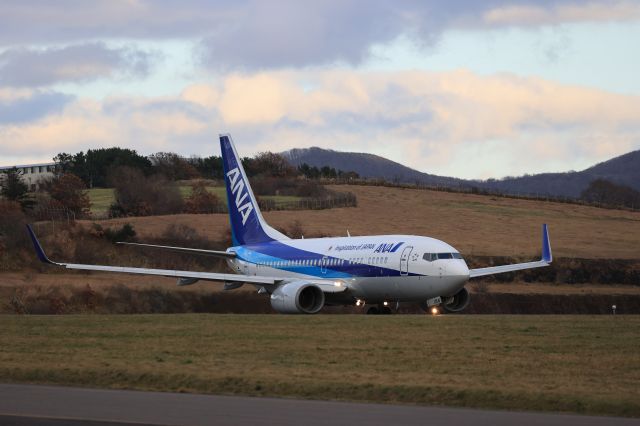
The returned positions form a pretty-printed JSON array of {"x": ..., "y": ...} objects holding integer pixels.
[
  {"x": 474, "y": 224},
  {"x": 581, "y": 364}
]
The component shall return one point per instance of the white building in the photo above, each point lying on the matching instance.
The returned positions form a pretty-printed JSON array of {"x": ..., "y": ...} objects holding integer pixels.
[{"x": 32, "y": 174}]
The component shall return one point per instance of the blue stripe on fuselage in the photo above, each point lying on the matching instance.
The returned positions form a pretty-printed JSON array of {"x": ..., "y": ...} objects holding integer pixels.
[{"x": 276, "y": 252}]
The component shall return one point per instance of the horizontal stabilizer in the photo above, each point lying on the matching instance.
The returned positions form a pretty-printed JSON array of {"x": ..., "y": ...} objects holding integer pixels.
[{"x": 225, "y": 254}]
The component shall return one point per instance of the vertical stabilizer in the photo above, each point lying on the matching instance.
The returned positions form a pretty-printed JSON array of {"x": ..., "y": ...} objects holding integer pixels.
[{"x": 247, "y": 224}]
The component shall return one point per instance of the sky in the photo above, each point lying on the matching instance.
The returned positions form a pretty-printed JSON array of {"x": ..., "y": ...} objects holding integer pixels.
[{"x": 465, "y": 88}]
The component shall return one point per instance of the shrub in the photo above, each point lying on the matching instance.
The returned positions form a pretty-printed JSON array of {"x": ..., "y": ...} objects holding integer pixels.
[
  {"x": 13, "y": 188},
  {"x": 310, "y": 189},
  {"x": 14, "y": 242},
  {"x": 173, "y": 166},
  {"x": 201, "y": 200},
  {"x": 69, "y": 191},
  {"x": 268, "y": 164},
  {"x": 604, "y": 192},
  {"x": 138, "y": 195},
  {"x": 125, "y": 233}
]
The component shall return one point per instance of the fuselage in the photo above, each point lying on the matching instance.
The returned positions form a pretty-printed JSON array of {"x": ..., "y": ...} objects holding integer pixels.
[{"x": 402, "y": 268}]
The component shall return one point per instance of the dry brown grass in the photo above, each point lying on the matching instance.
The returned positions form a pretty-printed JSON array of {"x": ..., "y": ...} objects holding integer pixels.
[
  {"x": 571, "y": 289},
  {"x": 474, "y": 224},
  {"x": 101, "y": 281},
  {"x": 95, "y": 280},
  {"x": 554, "y": 363}
]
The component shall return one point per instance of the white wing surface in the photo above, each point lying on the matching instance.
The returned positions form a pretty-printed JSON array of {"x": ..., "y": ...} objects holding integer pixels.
[{"x": 546, "y": 260}]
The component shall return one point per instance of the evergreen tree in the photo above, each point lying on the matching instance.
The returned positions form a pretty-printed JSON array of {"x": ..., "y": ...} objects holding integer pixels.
[
  {"x": 14, "y": 189},
  {"x": 94, "y": 166}
]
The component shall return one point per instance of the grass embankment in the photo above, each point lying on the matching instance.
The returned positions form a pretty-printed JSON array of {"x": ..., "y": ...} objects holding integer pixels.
[
  {"x": 102, "y": 198},
  {"x": 476, "y": 225},
  {"x": 148, "y": 297},
  {"x": 575, "y": 364}
]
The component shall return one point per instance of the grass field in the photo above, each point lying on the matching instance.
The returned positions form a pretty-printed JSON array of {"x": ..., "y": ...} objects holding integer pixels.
[
  {"x": 573, "y": 364},
  {"x": 474, "y": 224},
  {"x": 102, "y": 198}
]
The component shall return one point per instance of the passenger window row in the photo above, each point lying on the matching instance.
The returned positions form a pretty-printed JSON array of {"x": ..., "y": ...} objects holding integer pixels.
[
  {"x": 303, "y": 262},
  {"x": 379, "y": 260}
]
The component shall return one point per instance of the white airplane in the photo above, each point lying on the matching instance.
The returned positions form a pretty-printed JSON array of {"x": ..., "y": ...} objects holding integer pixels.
[{"x": 303, "y": 275}]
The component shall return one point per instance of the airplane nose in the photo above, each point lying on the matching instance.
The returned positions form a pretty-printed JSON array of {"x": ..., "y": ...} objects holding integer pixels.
[{"x": 458, "y": 268}]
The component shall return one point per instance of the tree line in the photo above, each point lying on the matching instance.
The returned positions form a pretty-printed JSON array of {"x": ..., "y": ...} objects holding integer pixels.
[
  {"x": 602, "y": 191},
  {"x": 95, "y": 166},
  {"x": 148, "y": 185}
]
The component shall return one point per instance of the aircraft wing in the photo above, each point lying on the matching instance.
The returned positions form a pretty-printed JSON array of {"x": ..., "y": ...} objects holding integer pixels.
[
  {"x": 212, "y": 276},
  {"x": 327, "y": 286},
  {"x": 225, "y": 254},
  {"x": 546, "y": 260}
]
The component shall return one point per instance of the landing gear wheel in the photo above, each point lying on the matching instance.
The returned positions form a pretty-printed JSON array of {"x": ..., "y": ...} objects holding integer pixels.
[
  {"x": 385, "y": 310},
  {"x": 373, "y": 311}
]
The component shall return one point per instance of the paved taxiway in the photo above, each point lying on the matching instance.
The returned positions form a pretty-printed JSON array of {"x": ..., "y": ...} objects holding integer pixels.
[{"x": 29, "y": 405}]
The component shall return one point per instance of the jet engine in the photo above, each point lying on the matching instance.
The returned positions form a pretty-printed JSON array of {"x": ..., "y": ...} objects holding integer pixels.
[
  {"x": 298, "y": 297},
  {"x": 457, "y": 302}
]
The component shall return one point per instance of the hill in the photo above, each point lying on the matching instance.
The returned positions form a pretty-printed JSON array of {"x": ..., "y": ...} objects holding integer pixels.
[
  {"x": 477, "y": 225},
  {"x": 367, "y": 166},
  {"x": 624, "y": 170}
]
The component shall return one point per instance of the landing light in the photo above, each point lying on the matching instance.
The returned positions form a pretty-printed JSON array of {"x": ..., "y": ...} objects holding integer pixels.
[
  {"x": 359, "y": 302},
  {"x": 385, "y": 303},
  {"x": 434, "y": 311}
]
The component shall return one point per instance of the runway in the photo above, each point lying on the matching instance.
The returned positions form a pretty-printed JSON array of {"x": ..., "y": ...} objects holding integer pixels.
[{"x": 31, "y": 405}]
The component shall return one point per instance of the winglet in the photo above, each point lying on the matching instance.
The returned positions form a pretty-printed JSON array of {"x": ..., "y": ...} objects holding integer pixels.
[
  {"x": 547, "y": 256},
  {"x": 38, "y": 247}
]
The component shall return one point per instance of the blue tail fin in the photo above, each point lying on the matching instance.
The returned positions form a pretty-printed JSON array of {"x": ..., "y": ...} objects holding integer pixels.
[
  {"x": 547, "y": 256},
  {"x": 247, "y": 224}
]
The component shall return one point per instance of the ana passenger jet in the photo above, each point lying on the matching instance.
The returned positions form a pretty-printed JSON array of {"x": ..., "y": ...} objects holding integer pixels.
[{"x": 301, "y": 276}]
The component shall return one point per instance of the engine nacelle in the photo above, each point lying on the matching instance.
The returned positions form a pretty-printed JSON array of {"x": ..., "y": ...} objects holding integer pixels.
[
  {"x": 298, "y": 297},
  {"x": 457, "y": 302},
  {"x": 187, "y": 281}
]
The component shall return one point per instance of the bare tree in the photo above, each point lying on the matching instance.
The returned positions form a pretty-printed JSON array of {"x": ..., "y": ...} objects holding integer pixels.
[
  {"x": 138, "y": 195},
  {"x": 70, "y": 192},
  {"x": 201, "y": 200}
]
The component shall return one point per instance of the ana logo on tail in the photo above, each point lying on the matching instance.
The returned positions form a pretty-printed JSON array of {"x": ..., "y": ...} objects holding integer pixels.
[{"x": 237, "y": 188}]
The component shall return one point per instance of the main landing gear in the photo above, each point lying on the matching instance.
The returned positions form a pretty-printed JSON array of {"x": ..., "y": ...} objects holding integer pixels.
[{"x": 381, "y": 309}]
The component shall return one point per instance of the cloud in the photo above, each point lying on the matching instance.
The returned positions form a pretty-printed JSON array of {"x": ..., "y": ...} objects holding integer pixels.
[
  {"x": 32, "y": 107},
  {"x": 22, "y": 67},
  {"x": 257, "y": 34},
  {"x": 146, "y": 124},
  {"x": 536, "y": 15},
  {"x": 438, "y": 122}
]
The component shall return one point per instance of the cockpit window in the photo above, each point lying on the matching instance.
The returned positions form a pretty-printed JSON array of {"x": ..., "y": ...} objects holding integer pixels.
[{"x": 430, "y": 257}]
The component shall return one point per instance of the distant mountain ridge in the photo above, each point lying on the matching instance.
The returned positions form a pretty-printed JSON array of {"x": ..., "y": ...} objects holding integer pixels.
[
  {"x": 366, "y": 165},
  {"x": 624, "y": 170}
]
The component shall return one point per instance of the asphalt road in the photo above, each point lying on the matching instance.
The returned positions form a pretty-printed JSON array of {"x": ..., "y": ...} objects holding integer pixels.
[{"x": 29, "y": 405}]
